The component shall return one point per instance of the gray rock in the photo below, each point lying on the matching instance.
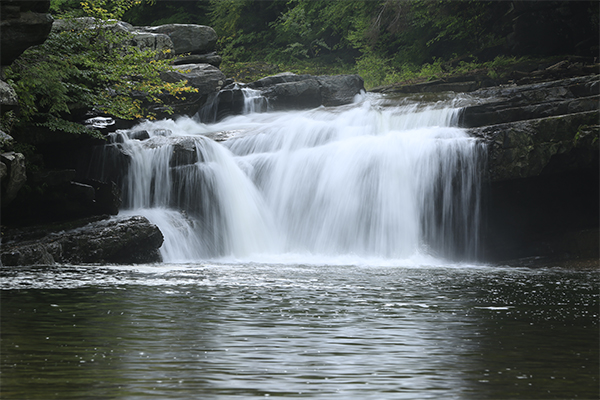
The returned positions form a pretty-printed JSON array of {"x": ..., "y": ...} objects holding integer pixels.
[
  {"x": 118, "y": 240},
  {"x": 8, "y": 97},
  {"x": 205, "y": 77},
  {"x": 6, "y": 142},
  {"x": 187, "y": 38},
  {"x": 15, "y": 176},
  {"x": 152, "y": 41},
  {"x": 138, "y": 38},
  {"x": 289, "y": 91}
]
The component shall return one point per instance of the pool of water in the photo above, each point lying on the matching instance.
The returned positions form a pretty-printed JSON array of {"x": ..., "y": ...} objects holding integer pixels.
[{"x": 235, "y": 331}]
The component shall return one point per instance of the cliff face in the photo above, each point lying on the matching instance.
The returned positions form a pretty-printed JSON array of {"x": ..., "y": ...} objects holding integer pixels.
[{"x": 543, "y": 181}]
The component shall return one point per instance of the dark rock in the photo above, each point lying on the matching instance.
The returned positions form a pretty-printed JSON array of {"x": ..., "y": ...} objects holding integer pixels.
[
  {"x": 290, "y": 91},
  {"x": 22, "y": 24},
  {"x": 14, "y": 178},
  {"x": 207, "y": 79},
  {"x": 211, "y": 58},
  {"x": 119, "y": 240},
  {"x": 543, "y": 216},
  {"x": 526, "y": 148},
  {"x": 499, "y": 99},
  {"x": 184, "y": 152},
  {"x": 204, "y": 77}
]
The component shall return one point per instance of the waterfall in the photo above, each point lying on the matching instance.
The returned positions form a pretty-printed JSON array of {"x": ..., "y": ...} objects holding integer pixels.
[{"x": 370, "y": 180}]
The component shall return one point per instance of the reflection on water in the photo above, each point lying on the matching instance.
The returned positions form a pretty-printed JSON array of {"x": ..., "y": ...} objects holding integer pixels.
[{"x": 346, "y": 332}]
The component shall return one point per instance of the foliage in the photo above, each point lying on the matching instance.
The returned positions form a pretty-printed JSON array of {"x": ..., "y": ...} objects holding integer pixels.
[
  {"x": 169, "y": 12},
  {"x": 89, "y": 66}
]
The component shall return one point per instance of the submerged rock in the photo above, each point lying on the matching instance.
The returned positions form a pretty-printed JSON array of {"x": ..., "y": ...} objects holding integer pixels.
[{"x": 118, "y": 240}]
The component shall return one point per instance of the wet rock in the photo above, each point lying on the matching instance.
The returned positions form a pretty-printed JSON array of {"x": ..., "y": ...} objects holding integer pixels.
[
  {"x": 517, "y": 103},
  {"x": 206, "y": 78},
  {"x": 290, "y": 91},
  {"x": 529, "y": 148},
  {"x": 118, "y": 240}
]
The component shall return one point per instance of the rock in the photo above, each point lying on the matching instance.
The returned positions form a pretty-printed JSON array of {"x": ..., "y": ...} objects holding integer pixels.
[
  {"x": 6, "y": 142},
  {"x": 517, "y": 103},
  {"x": 339, "y": 89},
  {"x": 22, "y": 24},
  {"x": 529, "y": 148},
  {"x": 138, "y": 38},
  {"x": 8, "y": 97},
  {"x": 118, "y": 240},
  {"x": 291, "y": 91},
  {"x": 206, "y": 78},
  {"x": 14, "y": 178},
  {"x": 187, "y": 38},
  {"x": 152, "y": 41},
  {"x": 210, "y": 58}
]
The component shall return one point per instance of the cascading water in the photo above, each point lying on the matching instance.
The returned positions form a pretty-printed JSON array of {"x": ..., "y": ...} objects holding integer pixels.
[{"x": 370, "y": 180}]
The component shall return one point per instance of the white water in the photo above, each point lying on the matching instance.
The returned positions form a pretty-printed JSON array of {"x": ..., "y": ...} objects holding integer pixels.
[{"x": 367, "y": 181}]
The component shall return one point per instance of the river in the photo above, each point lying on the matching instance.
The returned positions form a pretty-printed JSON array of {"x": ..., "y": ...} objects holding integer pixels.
[
  {"x": 221, "y": 331},
  {"x": 327, "y": 253}
]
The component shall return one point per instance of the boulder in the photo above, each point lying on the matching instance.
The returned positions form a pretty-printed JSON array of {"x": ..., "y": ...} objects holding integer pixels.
[
  {"x": 8, "y": 97},
  {"x": 187, "y": 38},
  {"x": 117, "y": 240},
  {"x": 204, "y": 77},
  {"x": 14, "y": 178},
  {"x": 290, "y": 91},
  {"x": 22, "y": 24},
  {"x": 207, "y": 79}
]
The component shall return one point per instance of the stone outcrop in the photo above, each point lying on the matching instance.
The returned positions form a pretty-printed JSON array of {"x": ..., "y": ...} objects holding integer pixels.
[
  {"x": 186, "y": 38},
  {"x": 118, "y": 240},
  {"x": 543, "y": 167},
  {"x": 22, "y": 24},
  {"x": 286, "y": 91},
  {"x": 540, "y": 128},
  {"x": 206, "y": 78},
  {"x": 13, "y": 175},
  {"x": 290, "y": 91}
]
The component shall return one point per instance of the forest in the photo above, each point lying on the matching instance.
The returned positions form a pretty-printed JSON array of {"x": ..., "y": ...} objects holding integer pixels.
[{"x": 384, "y": 41}]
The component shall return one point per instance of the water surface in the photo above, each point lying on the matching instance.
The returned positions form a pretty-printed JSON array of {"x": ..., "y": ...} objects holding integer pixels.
[{"x": 227, "y": 330}]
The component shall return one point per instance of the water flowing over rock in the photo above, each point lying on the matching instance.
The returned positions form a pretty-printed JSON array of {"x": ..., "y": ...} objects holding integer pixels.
[
  {"x": 367, "y": 180},
  {"x": 120, "y": 240},
  {"x": 286, "y": 91},
  {"x": 543, "y": 167}
]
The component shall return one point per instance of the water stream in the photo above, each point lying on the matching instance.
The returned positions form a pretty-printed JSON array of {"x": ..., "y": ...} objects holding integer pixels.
[
  {"x": 324, "y": 254},
  {"x": 371, "y": 180}
]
